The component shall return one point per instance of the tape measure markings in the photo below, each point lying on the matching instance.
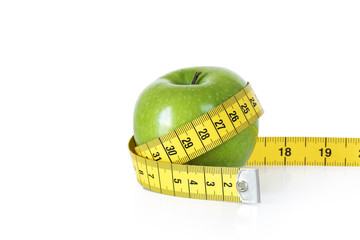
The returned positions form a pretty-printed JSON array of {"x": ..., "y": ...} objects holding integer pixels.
[
  {"x": 232, "y": 133},
  {"x": 182, "y": 146},
  {"x": 219, "y": 183},
  {"x": 242, "y": 107},
  {"x": 221, "y": 119},
  {"x": 217, "y": 130},
  {"x": 200, "y": 182},
  {"x": 252, "y": 102},
  {"x": 191, "y": 142},
  {"x": 165, "y": 170},
  {"x": 232, "y": 109},
  {"x": 306, "y": 151}
]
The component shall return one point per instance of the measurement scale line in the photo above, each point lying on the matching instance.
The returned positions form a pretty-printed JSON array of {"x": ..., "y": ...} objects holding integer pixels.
[
  {"x": 147, "y": 171},
  {"x": 150, "y": 152},
  {"x": 172, "y": 178},
  {"x": 222, "y": 184},
  {"x": 157, "y": 165},
  {"x": 187, "y": 171},
  {"x": 265, "y": 141},
  {"x": 325, "y": 141},
  {"x": 205, "y": 183}
]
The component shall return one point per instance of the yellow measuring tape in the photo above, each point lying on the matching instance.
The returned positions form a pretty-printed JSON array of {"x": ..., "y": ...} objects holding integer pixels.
[{"x": 159, "y": 164}]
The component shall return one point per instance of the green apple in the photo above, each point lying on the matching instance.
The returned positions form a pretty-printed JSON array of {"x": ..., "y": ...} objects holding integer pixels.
[{"x": 183, "y": 95}]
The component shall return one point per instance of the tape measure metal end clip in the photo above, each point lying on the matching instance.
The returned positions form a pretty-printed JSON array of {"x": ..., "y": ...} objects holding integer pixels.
[{"x": 248, "y": 185}]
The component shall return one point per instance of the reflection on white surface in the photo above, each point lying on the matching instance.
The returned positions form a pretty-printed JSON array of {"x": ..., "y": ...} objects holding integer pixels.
[
  {"x": 296, "y": 201},
  {"x": 323, "y": 198},
  {"x": 296, "y": 184},
  {"x": 247, "y": 218}
]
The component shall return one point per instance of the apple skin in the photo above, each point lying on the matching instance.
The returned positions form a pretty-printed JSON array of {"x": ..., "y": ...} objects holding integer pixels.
[{"x": 172, "y": 101}]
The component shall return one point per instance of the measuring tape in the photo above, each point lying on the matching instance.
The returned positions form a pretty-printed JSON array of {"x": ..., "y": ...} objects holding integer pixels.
[{"x": 159, "y": 164}]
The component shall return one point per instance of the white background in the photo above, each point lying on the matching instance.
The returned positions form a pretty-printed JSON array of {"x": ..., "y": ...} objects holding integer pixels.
[{"x": 70, "y": 74}]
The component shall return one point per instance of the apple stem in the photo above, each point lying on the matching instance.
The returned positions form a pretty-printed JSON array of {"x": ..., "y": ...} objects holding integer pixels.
[{"x": 195, "y": 77}]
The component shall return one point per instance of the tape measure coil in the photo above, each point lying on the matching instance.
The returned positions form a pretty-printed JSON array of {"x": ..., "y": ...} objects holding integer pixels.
[{"x": 163, "y": 172}]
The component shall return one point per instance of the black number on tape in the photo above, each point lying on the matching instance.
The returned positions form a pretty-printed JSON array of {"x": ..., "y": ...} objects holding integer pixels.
[
  {"x": 204, "y": 134},
  {"x": 233, "y": 116},
  {"x": 220, "y": 124},
  {"x": 156, "y": 156},
  {"x": 177, "y": 180},
  {"x": 325, "y": 151},
  {"x": 227, "y": 184},
  {"x": 171, "y": 150},
  {"x": 210, "y": 184},
  {"x": 287, "y": 152},
  {"x": 192, "y": 182},
  {"x": 252, "y": 101},
  {"x": 245, "y": 108},
  {"x": 187, "y": 143}
]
